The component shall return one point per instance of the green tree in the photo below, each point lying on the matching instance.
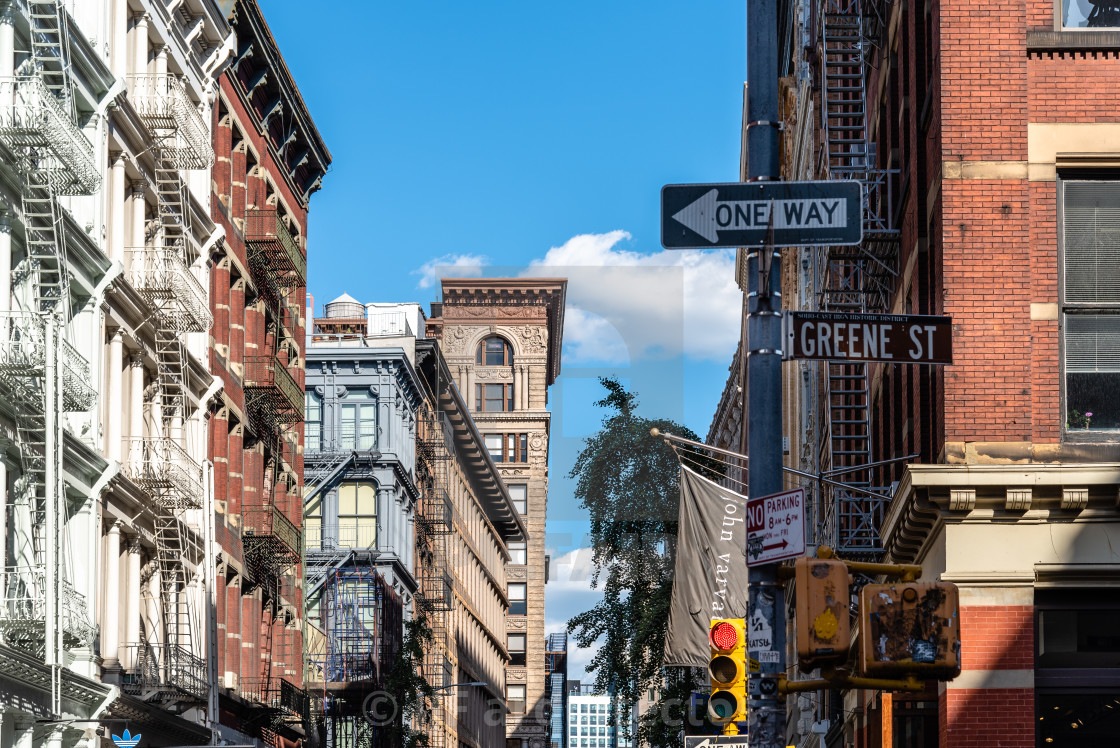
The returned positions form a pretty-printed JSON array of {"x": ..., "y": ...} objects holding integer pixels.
[
  {"x": 629, "y": 483},
  {"x": 407, "y": 684}
]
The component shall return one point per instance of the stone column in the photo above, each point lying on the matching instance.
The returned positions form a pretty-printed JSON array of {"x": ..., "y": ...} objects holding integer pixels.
[
  {"x": 138, "y": 213},
  {"x": 518, "y": 384},
  {"x": 382, "y": 518},
  {"x": 117, "y": 180},
  {"x": 118, "y": 39},
  {"x": 7, "y": 50},
  {"x": 115, "y": 396},
  {"x": 5, "y": 259},
  {"x": 132, "y": 603},
  {"x": 161, "y": 60},
  {"x": 135, "y": 397},
  {"x": 469, "y": 394},
  {"x": 140, "y": 44},
  {"x": 526, "y": 386},
  {"x": 110, "y": 620}
]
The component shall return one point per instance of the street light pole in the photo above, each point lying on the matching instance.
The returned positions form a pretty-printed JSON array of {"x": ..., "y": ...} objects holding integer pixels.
[{"x": 766, "y": 627}]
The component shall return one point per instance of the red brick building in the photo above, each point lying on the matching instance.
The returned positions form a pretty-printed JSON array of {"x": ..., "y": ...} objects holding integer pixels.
[
  {"x": 270, "y": 159},
  {"x": 988, "y": 140}
]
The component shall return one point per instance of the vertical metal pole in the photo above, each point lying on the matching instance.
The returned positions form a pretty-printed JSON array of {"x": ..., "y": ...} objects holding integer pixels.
[{"x": 766, "y": 626}]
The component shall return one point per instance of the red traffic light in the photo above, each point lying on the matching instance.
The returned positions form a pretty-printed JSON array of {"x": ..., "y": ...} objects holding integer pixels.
[{"x": 724, "y": 636}]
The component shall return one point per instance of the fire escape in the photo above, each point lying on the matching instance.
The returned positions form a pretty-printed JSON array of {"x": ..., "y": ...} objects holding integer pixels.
[
  {"x": 41, "y": 374},
  {"x": 433, "y": 528},
  {"x": 168, "y": 667},
  {"x": 272, "y": 543},
  {"x": 853, "y": 279}
]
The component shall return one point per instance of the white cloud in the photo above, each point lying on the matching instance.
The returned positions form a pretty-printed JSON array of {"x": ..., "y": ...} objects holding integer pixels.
[
  {"x": 659, "y": 305},
  {"x": 568, "y": 593},
  {"x": 450, "y": 266}
]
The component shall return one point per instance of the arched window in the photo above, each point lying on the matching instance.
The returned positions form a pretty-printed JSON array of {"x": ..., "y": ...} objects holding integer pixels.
[{"x": 494, "y": 351}]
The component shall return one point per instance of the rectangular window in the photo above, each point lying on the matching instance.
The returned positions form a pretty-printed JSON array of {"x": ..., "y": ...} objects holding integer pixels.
[
  {"x": 583, "y": 710},
  {"x": 493, "y": 398},
  {"x": 1089, "y": 14},
  {"x": 358, "y": 425},
  {"x": 515, "y": 698},
  {"x": 313, "y": 422},
  {"x": 515, "y": 643},
  {"x": 519, "y": 492},
  {"x": 517, "y": 553},
  {"x": 1091, "y": 304},
  {"x": 507, "y": 447},
  {"x": 357, "y": 515},
  {"x": 313, "y": 525},
  {"x": 517, "y": 603}
]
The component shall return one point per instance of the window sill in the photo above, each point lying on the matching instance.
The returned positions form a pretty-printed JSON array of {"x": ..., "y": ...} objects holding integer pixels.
[{"x": 1048, "y": 40}]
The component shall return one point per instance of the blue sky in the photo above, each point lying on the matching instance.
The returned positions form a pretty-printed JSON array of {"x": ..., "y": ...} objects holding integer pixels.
[{"x": 507, "y": 138}]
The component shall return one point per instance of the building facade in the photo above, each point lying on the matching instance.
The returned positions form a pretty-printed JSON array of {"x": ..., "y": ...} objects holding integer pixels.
[
  {"x": 989, "y": 153},
  {"x": 263, "y": 177},
  {"x": 556, "y": 674},
  {"x": 502, "y": 340},
  {"x": 360, "y": 511},
  {"x": 589, "y": 722}
]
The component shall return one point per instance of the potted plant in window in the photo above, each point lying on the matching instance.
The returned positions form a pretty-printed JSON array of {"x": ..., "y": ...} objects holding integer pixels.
[{"x": 1078, "y": 420}]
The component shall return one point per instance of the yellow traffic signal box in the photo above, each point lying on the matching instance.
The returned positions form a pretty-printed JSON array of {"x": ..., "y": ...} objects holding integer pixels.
[
  {"x": 823, "y": 621},
  {"x": 910, "y": 628},
  {"x": 727, "y": 671}
]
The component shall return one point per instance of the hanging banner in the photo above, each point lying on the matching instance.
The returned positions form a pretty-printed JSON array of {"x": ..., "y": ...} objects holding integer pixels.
[{"x": 710, "y": 576}]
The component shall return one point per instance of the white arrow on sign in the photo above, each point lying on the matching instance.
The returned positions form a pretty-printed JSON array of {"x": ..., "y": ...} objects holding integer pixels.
[{"x": 708, "y": 215}]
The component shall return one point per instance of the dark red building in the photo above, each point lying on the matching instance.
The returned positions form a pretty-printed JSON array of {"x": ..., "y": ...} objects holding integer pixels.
[{"x": 270, "y": 159}]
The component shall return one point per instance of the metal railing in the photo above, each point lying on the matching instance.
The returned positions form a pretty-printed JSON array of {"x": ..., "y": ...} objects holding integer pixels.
[
  {"x": 161, "y": 668},
  {"x": 32, "y": 117},
  {"x": 23, "y": 356},
  {"x": 267, "y": 372},
  {"x": 167, "y": 284},
  {"x": 23, "y": 606},
  {"x": 163, "y": 104},
  {"x": 163, "y": 468},
  {"x": 277, "y": 251},
  {"x": 348, "y": 535},
  {"x": 271, "y": 522}
]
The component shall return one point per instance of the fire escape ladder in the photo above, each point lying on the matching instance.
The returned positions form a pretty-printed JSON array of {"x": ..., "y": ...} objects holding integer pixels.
[
  {"x": 44, "y": 232},
  {"x": 853, "y": 279},
  {"x": 50, "y": 49}
]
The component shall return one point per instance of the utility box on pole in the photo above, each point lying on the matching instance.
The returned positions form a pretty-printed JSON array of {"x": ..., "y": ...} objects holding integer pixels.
[{"x": 910, "y": 628}]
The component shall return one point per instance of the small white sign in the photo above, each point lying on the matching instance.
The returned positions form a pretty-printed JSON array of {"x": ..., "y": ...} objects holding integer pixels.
[
  {"x": 775, "y": 527},
  {"x": 760, "y": 636}
]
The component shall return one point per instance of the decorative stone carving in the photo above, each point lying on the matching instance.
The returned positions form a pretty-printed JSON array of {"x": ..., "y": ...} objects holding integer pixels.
[
  {"x": 962, "y": 499},
  {"x": 536, "y": 441},
  {"x": 1018, "y": 499},
  {"x": 532, "y": 338},
  {"x": 1075, "y": 498},
  {"x": 517, "y": 624},
  {"x": 515, "y": 675},
  {"x": 454, "y": 339},
  {"x": 515, "y": 573},
  {"x": 501, "y": 374}
]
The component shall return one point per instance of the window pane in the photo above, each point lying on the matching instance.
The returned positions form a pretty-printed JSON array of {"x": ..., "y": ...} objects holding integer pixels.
[
  {"x": 347, "y": 499},
  {"x": 517, "y": 553},
  {"x": 367, "y": 500},
  {"x": 519, "y": 492},
  {"x": 524, "y": 448},
  {"x": 349, "y": 424},
  {"x": 517, "y": 605},
  {"x": 1088, "y": 14},
  {"x": 367, "y": 428},
  {"x": 312, "y": 436},
  {"x": 314, "y": 406},
  {"x": 493, "y": 397},
  {"x": 493, "y": 446},
  {"x": 1091, "y": 213},
  {"x": 1092, "y": 357}
]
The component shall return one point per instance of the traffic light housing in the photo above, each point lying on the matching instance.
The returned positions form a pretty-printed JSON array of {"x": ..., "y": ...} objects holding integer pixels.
[
  {"x": 824, "y": 632},
  {"x": 911, "y": 627},
  {"x": 727, "y": 671}
]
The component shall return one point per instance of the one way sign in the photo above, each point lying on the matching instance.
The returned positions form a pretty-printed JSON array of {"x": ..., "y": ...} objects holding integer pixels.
[{"x": 698, "y": 216}]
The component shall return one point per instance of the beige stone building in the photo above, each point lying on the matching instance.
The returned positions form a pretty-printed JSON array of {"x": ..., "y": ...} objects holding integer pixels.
[{"x": 501, "y": 339}]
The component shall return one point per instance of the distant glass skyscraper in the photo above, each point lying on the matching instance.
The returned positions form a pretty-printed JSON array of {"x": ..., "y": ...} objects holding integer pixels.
[
  {"x": 588, "y": 723},
  {"x": 556, "y": 672}
]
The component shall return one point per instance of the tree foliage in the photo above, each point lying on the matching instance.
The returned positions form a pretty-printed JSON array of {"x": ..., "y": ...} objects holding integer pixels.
[
  {"x": 629, "y": 483},
  {"x": 407, "y": 684}
]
